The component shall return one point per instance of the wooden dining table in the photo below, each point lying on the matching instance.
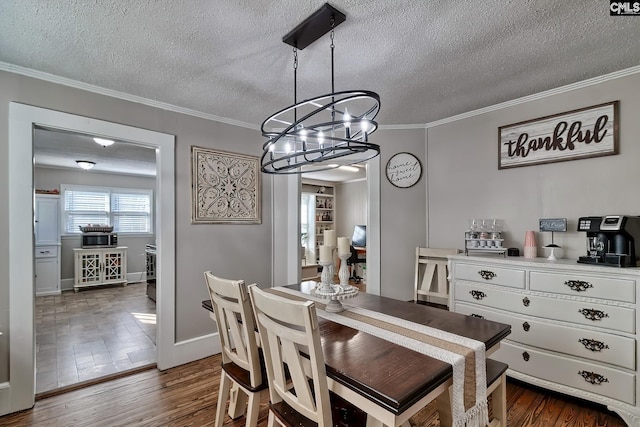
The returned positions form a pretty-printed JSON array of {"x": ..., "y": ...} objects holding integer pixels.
[{"x": 388, "y": 381}]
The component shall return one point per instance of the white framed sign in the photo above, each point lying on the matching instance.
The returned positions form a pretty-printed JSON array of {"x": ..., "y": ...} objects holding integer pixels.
[
  {"x": 577, "y": 134},
  {"x": 403, "y": 170}
]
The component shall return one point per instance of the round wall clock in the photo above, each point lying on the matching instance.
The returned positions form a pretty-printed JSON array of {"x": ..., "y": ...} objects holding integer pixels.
[{"x": 403, "y": 170}]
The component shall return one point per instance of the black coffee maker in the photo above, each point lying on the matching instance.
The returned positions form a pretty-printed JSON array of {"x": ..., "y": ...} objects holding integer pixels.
[{"x": 611, "y": 240}]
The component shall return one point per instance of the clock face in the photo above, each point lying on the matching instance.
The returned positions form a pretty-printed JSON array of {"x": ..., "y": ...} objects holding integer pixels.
[{"x": 403, "y": 170}]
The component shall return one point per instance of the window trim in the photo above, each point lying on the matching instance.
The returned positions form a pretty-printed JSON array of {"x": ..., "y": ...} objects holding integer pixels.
[{"x": 66, "y": 187}]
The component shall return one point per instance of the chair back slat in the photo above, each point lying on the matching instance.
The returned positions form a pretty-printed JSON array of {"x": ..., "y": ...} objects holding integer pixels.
[
  {"x": 288, "y": 328},
  {"x": 236, "y": 324}
]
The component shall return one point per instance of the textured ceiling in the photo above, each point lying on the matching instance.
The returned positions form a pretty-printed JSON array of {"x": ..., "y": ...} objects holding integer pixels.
[{"x": 428, "y": 60}]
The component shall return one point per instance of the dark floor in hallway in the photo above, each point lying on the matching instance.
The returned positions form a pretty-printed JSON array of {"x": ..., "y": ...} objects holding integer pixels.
[{"x": 92, "y": 333}]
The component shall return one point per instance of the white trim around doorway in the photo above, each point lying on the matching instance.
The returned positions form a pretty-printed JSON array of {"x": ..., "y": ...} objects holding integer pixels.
[{"x": 19, "y": 392}]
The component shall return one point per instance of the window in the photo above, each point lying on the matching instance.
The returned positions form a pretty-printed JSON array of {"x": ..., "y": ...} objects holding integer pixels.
[{"x": 128, "y": 210}]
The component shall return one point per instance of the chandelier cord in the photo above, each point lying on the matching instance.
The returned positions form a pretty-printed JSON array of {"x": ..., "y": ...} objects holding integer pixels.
[
  {"x": 333, "y": 89},
  {"x": 295, "y": 81}
]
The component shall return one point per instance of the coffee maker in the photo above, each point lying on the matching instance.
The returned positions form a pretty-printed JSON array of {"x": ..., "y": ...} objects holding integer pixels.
[{"x": 611, "y": 240}]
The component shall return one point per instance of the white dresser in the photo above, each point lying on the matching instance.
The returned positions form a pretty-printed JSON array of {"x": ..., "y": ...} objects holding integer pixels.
[{"x": 574, "y": 326}]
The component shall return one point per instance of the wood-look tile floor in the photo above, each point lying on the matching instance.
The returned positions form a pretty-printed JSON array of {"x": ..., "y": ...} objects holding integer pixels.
[{"x": 81, "y": 336}]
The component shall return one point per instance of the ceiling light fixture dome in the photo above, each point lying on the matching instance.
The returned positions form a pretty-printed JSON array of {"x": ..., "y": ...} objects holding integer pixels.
[
  {"x": 104, "y": 142},
  {"x": 324, "y": 132},
  {"x": 85, "y": 164}
]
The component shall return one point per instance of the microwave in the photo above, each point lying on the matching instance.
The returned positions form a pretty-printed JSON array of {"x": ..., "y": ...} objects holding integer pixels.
[{"x": 99, "y": 240}]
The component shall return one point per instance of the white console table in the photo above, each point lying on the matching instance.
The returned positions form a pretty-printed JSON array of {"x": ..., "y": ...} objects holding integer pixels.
[{"x": 574, "y": 326}]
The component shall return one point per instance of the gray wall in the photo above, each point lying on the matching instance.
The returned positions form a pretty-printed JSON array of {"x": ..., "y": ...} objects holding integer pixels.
[
  {"x": 352, "y": 206},
  {"x": 51, "y": 179},
  {"x": 464, "y": 180},
  {"x": 402, "y": 215},
  {"x": 235, "y": 251}
]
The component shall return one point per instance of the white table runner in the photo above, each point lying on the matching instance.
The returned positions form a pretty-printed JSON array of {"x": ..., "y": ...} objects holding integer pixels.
[{"x": 466, "y": 356}]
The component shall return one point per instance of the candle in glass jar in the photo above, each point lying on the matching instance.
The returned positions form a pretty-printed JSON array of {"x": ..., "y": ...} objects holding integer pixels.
[
  {"x": 325, "y": 253},
  {"x": 330, "y": 238},
  {"x": 343, "y": 245}
]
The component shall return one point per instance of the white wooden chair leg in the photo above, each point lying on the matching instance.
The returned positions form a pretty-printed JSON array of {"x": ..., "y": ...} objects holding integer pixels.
[
  {"x": 272, "y": 420},
  {"x": 237, "y": 402},
  {"x": 223, "y": 395},
  {"x": 253, "y": 408}
]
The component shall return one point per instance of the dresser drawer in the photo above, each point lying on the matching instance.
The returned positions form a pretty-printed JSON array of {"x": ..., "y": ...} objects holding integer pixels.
[
  {"x": 495, "y": 275},
  {"x": 609, "y": 382},
  {"x": 585, "y": 344},
  {"x": 584, "y": 286},
  {"x": 46, "y": 252},
  {"x": 585, "y": 313}
]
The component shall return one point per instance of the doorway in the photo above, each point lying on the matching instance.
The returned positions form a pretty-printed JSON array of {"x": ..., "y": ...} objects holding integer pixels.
[
  {"x": 107, "y": 329},
  {"x": 17, "y": 392},
  {"x": 286, "y": 191}
]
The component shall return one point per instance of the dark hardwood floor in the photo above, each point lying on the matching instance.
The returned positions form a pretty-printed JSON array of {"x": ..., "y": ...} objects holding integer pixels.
[{"x": 187, "y": 395}]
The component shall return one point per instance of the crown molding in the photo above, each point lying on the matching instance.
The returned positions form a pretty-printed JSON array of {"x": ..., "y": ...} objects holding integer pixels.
[
  {"x": 187, "y": 111},
  {"x": 28, "y": 72},
  {"x": 551, "y": 92}
]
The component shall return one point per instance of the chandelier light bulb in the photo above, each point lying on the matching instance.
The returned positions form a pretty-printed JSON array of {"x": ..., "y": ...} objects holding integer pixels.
[
  {"x": 321, "y": 138},
  {"x": 347, "y": 124},
  {"x": 303, "y": 134},
  {"x": 364, "y": 125}
]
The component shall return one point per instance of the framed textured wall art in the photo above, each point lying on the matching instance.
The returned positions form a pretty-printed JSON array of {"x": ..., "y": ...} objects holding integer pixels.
[
  {"x": 225, "y": 187},
  {"x": 578, "y": 134}
]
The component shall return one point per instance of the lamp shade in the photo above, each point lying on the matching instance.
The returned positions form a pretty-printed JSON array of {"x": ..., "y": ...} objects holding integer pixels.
[{"x": 85, "y": 164}]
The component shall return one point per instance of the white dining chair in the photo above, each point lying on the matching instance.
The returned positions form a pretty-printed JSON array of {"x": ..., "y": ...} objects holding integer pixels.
[
  {"x": 431, "y": 275},
  {"x": 298, "y": 391},
  {"x": 241, "y": 356}
]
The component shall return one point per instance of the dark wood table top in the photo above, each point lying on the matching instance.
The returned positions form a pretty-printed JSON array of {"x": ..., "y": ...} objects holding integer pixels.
[{"x": 391, "y": 375}]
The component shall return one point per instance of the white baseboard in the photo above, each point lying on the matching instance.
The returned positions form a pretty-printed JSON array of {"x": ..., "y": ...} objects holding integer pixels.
[
  {"x": 196, "y": 349},
  {"x": 140, "y": 276}
]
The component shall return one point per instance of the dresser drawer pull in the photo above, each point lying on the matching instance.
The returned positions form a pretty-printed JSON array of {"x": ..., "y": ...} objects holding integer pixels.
[
  {"x": 477, "y": 294},
  {"x": 525, "y": 356},
  {"x": 578, "y": 285},
  {"x": 593, "y": 314},
  {"x": 526, "y": 301},
  {"x": 487, "y": 275},
  {"x": 592, "y": 377},
  {"x": 526, "y": 326},
  {"x": 592, "y": 345},
  {"x": 477, "y": 316}
]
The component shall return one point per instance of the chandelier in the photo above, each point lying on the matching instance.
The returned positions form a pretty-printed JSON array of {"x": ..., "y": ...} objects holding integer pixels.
[{"x": 326, "y": 131}]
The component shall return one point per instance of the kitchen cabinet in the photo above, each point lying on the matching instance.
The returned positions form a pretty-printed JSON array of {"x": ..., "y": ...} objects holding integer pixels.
[
  {"x": 47, "y": 270},
  {"x": 574, "y": 326},
  {"x": 46, "y": 223},
  {"x": 47, "y": 244},
  {"x": 99, "y": 266}
]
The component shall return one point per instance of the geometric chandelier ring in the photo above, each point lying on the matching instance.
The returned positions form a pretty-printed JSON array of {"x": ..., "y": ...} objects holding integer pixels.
[
  {"x": 312, "y": 144},
  {"x": 326, "y": 131}
]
